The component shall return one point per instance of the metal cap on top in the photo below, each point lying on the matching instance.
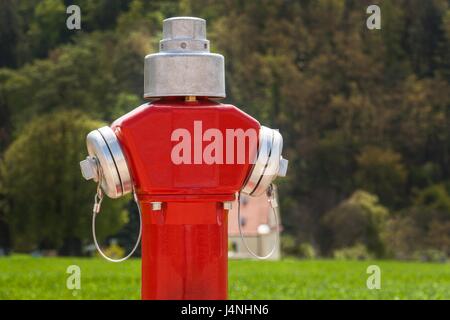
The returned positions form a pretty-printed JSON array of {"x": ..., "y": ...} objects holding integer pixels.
[{"x": 184, "y": 65}]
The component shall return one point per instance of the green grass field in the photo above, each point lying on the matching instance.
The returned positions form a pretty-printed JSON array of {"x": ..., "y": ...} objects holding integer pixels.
[{"x": 24, "y": 277}]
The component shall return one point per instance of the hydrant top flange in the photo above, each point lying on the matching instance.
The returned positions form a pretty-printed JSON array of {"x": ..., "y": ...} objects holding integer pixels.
[{"x": 184, "y": 65}]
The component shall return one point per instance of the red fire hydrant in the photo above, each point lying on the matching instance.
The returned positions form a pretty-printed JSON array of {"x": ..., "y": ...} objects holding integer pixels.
[{"x": 185, "y": 156}]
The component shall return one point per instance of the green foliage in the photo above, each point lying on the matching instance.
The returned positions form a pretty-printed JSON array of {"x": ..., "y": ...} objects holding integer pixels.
[
  {"x": 84, "y": 76},
  {"x": 382, "y": 173},
  {"x": 9, "y": 32},
  {"x": 356, "y": 252},
  {"x": 114, "y": 251},
  {"x": 403, "y": 237},
  {"x": 423, "y": 230},
  {"x": 288, "y": 245},
  {"x": 358, "y": 109},
  {"x": 45, "y": 31},
  {"x": 435, "y": 197},
  {"x": 307, "y": 251},
  {"x": 101, "y": 14},
  {"x": 46, "y": 199},
  {"x": 359, "y": 219},
  {"x": 430, "y": 255}
]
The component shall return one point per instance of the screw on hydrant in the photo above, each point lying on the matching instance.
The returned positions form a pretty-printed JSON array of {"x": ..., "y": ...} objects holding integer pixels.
[
  {"x": 228, "y": 205},
  {"x": 156, "y": 206},
  {"x": 89, "y": 168}
]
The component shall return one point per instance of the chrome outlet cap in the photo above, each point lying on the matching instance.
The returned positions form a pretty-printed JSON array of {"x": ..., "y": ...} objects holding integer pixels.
[
  {"x": 104, "y": 149},
  {"x": 269, "y": 163},
  {"x": 184, "y": 65}
]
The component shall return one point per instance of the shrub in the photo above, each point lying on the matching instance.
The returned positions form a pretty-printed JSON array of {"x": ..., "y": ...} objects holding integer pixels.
[
  {"x": 402, "y": 237},
  {"x": 430, "y": 255},
  {"x": 421, "y": 231},
  {"x": 359, "y": 219},
  {"x": 357, "y": 252},
  {"x": 307, "y": 251},
  {"x": 382, "y": 172},
  {"x": 114, "y": 251},
  {"x": 46, "y": 200},
  {"x": 288, "y": 245}
]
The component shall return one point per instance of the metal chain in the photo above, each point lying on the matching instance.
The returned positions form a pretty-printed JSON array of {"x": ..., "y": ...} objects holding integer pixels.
[
  {"x": 99, "y": 194},
  {"x": 99, "y": 198},
  {"x": 96, "y": 209},
  {"x": 273, "y": 204}
]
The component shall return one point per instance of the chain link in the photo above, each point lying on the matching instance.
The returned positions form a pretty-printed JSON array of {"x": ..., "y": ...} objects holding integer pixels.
[
  {"x": 96, "y": 209},
  {"x": 99, "y": 194},
  {"x": 273, "y": 204}
]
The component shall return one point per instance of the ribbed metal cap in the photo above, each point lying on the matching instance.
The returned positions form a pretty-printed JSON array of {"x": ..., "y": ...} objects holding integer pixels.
[
  {"x": 269, "y": 163},
  {"x": 104, "y": 149},
  {"x": 184, "y": 65}
]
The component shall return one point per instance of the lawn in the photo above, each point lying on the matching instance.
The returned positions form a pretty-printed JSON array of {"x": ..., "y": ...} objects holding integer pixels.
[{"x": 24, "y": 277}]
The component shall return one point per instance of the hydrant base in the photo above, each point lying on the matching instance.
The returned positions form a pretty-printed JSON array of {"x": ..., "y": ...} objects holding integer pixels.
[{"x": 185, "y": 251}]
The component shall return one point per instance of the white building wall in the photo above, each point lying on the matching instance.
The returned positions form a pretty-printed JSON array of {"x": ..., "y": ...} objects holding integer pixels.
[{"x": 261, "y": 245}]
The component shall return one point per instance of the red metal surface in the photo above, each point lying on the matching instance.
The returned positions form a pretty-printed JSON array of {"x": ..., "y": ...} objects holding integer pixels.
[
  {"x": 185, "y": 251},
  {"x": 184, "y": 245},
  {"x": 145, "y": 135}
]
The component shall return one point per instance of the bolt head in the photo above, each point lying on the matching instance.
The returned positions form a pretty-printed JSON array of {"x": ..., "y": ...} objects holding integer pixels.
[
  {"x": 228, "y": 205},
  {"x": 156, "y": 206},
  {"x": 89, "y": 169},
  {"x": 283, "y": 167}
]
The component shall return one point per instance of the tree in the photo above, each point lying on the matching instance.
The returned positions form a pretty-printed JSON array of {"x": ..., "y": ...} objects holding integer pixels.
[
  {"x": 357, "y": 108},
  {"x": 359, "y": 219},
  {"x": 91, "y": 75},
  {"x": 46, "y": 199},
  {"x": 381, "y": 171},
  {"x": 425, "y": 225},
  {"x": 9, "y": 33},
  {"x": 47, "y": 27}
]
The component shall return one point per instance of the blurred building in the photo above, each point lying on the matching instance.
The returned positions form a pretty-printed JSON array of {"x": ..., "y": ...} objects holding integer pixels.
[{"x": 258, "y": 228}]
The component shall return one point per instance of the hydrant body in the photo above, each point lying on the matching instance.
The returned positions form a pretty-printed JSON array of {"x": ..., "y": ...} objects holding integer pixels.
[
  {"x": 185, "y": 157},
  {"x": 185, "y": 241}
]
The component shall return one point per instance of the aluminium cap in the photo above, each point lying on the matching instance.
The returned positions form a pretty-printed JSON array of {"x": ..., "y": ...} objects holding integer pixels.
[
  {"x": 104, "y": 149},
  {"x": 269, "y": 163},
  {"x": 184, "y": 65}
]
